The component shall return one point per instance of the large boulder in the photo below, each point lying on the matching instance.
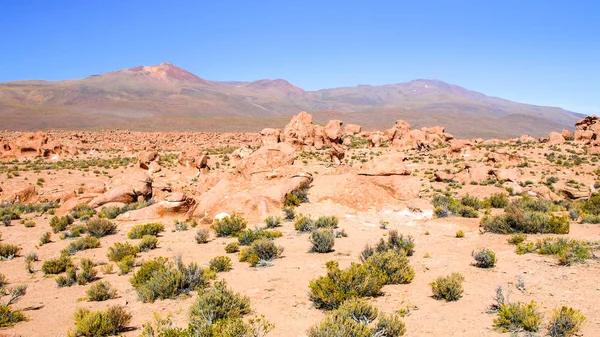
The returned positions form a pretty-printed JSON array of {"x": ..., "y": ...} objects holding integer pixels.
[
  {"x": 269, "y": 136},
  {"x": 575, "y": 192},
  {"x": 128, "y": 189},
  {"x": 266, "y": 159},
  {"x": 333, "y": 130},
  {"x": 337, "y": 154},
  {"x": 175, "y": 205},
  {"x": 23, "y": 194},
  {"x": 352, "y": 129},
  {"x": 555, "y": 138},
  {"x": 193, "y": 158},
  {"x": 147, "y": 157},
  {"x": 386, "y": 165},
  {"x": 300, "y": 131}
]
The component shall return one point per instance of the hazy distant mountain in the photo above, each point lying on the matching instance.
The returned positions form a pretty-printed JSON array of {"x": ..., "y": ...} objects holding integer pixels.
[{"x": 167, "y": 98}]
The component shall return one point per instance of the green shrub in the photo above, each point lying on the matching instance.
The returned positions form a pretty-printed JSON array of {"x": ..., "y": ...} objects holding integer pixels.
[
  {"x": 289, "y": 213},
  {"x": 291, "y": 200},
  {"x": 272, "y": 222},
  {"x": 565, "y": 322},
  {"x": 590, "y": 219},
  {"x": 99, "y": 227},
  {"x": 246, "y": 237},
  {"x": 330, "y": 291},
  {"x": 72, "y": 276},
  {"x": 159, "y": 279},
  {"x": 471, "y": 201},
  {"x": 518, "y": 317},
  {"x": 327, "y": 222},
  {"x": 322, "y": 240},
  {"x": 397, "y": 242},
  {"x": 220, "y": 264},
  {"x": 440, "y": 212},
  {"x": 304, "y": 224},
  {"x": 101, "y": 323},
  {"x": 229, "y": 226},
  {"x": 100, "y": 291},
  {"x": 74, "y": 232},
  {"x": 45, "y": 238},
  {"x": 568, "y": 252},
  {"x": 232, "y": 247},
  {"x": 216, "y": 304},
  {"x": 9, "y": 251},
  {"x": 467, "y": 212},
  {"x": 57, "y": 265},
  {"x": 265, "y": 249},
  {"x": 84, "y": 243},
  {"x": 138, "y": 231},
  {"x": 82, "y": 212},
  {"x": 353, "y": 317},
  {"x": 392, "y": 266},
  {"x": 8, "y": 316},
  {"x": 498, "y": 200},
  {"x": 448, "y": 288},
  {"x": 527, "y": 217},
  {"x": 60, "y": 224},
  {"x": 126, "y": 264},
  {"x": 484, "y": 258},
  {"x": 29, "y": 224},
  {"x": 517, "y": 238},
  {"x": 120, "y": 250},
  {"x": 202, "y": 236},
  {"x": 460, "y": 233},
  {"x": 148, "y": 243}
]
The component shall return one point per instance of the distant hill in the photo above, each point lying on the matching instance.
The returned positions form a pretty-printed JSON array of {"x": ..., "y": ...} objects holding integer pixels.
[{"x": 167, "y": 98}]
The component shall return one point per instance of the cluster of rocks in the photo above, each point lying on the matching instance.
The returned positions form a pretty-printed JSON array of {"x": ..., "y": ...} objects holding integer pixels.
[{"x": 34, "y": 145}]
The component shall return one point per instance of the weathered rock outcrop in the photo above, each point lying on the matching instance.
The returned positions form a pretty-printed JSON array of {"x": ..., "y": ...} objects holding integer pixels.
[
  {"x": 128, "y": 189},
  {"x": 175, "y": 205},
  {"x": 266, "y": 159}
]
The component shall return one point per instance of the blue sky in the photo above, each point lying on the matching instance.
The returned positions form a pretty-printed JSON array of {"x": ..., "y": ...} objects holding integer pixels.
[{"x": 539, "y": 52}]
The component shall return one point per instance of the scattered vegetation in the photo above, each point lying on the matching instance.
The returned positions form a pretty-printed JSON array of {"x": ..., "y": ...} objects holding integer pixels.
[
  {"x": 518, "y": 317},
  {"x": 138, "y": 231},
  {"x": 568, "y": 252},
  {"x": 100, "y": 323},
  {"x": 220, "y": 264},
  {"x": 565, "y": 322},
  {"x": 57, "y": 265},
  {"x": 527, "y": 216},
  {"x": 8, "y": 315},
  {"x": 448, "y": 288},
  {"x": 229, "y": 226},
  {"x": 202, "y": 236},
  {"x": 148, "y": 243},
  {"x": 260, "y": 253},
  {"x": 9, "y": 251},
  {"x": 322, "y": 240},
  {"x": 356, "y": 317},
  {"x": 60, "y": 224},
  {"x": 100, "y": 291},
  {"x": 121, "y": 250},
  {"x": 87, "y": 242},
  {"x": 484, "y": 258}
]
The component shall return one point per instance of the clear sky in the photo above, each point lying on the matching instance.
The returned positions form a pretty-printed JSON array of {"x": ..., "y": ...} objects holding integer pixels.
[{"x": 544, "y": 52}]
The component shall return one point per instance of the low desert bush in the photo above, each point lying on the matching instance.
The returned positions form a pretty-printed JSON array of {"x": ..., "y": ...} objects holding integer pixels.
[
  {"x": 565, "y": 322},
  {"x": 9, "y": 251},
  {"x": 229, "y": 226},
  {"x": 497, "y": 200},
  {"x": 120, "y": 250},
  {"x": 107, "y": 322},
  {"x": 100, "y": 291},
  {"x": 232, "y": 247},
  {"x": 161, "y": 279},
  {"x": 395, "y": 241},
  {"x": 517, "y": 239},
  {"x": 289, "y": 213},
  {"x": 87, "y": 242},
  {"x": 448, "y": 288},
  {"x": 8, "y": 315},
  {"x": 471, "y": 201},
  {"x": 82, "y": 276},
  {"x": 220, "y": 264},
  {"x": 45, "y": 238},
  {"x": 148, "y": 243},
  {"x": 460, "y": 233},
  {"x": 126, "y": 264},
  {"x": 518, "y": 317},
  {"x": 57, "y": 265},
  {"x": 322, "y": 240},
  {"x": 327, "y": 221},
  {"x": 260, "y": 250},
  {"x": 202, "y": 236},
  {"x": 60, "y": 224},
  {"x": 218, "y": 304},
  {"x": 247, "y": 236},
  {"x": 99, "y": 227},
  {"x": 272, "y": 222},
  {"x": 138, "y": 231},
  {"x": 568, "y": 252},
  {"x": 353, "y": 317},
  {"x": 330, "y": 291},
  {"x": 527, "y": 217},
  {"x": 392, "y": 266},
  {"x": 304, "y": 223},
  {"x": 82, "y": 212},
  {"x": 484, "y": 258}
]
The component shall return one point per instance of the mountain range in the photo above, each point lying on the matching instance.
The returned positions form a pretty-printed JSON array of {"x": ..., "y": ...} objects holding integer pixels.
[{"x": 165, "y": 97}]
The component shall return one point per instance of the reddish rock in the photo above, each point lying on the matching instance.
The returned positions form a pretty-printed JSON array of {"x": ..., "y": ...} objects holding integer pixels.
[
  {"x": 21, "y": 195},
  {"x": 386, "y": 165},
  {"x": 352, "y": 129},
  {"x": 333, "y": 130},
  {"x": 567, "y": 134},
  {"x": 299, "y": 131},
  {"x": 443, "y": 176},
  {"x": 269, "y": 136},
  {"x": 175, "y": 205},
  {"x": 337, "y": 154},
  {"x": 555, "y": 138},
  {"x": 266, "y": 159},
  {"x": 146, "y": 157},
  {"x": 127, "y": 190}
]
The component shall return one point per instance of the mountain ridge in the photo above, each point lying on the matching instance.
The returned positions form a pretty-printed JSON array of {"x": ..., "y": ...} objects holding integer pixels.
[{"x": 166, "y": 97}]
